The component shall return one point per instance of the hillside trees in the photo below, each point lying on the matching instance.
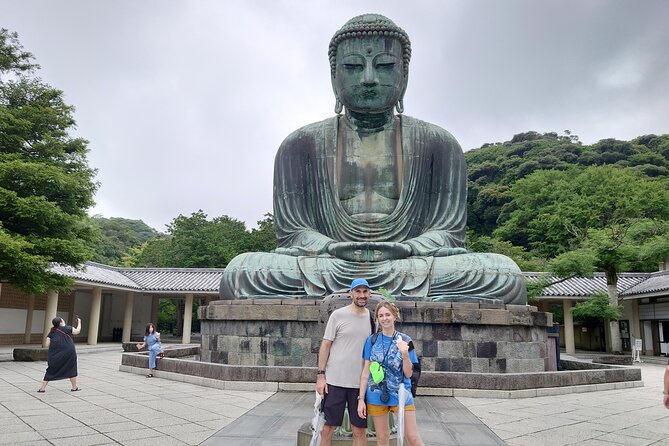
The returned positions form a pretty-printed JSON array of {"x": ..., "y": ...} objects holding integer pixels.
[
  {"x": 46, "y": 185},
  {"x": 493, "y": 168},
  {"x": 198, "y": 242},
  {"x": 603, "y": 218},
  {"x": 117, "y": 236}
]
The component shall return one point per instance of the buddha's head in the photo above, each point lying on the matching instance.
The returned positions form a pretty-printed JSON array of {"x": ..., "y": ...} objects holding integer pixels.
[{"x": 369, "y": 64}]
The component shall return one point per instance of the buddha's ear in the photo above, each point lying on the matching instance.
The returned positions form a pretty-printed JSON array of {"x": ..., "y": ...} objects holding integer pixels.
[
  {"x": 400, "y": 104},
  {"x": 338, "y": 104}
]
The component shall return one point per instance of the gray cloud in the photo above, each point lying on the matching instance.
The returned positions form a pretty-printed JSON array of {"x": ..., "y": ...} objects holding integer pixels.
[{"x": 185, "y": 103}]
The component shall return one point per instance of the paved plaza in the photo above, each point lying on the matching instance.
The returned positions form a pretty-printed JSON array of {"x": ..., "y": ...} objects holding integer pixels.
[{"x": 115, "y": 407}]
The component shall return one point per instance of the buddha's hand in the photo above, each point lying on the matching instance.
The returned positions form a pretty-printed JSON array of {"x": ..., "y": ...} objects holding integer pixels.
[
  {"x": 369, "y": 251},
  {"x": 446, "y": 252},
  {"x": 297, "y": 251},
  {"x": 289, "y": 251}
]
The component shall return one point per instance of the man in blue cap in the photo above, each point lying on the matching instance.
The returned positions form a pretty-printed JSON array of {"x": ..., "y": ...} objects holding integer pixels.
[{"x": 340, "y": 363}]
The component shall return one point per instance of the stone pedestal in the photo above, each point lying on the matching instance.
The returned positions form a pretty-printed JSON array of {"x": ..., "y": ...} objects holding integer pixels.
[{"x": 448, "y": 336}]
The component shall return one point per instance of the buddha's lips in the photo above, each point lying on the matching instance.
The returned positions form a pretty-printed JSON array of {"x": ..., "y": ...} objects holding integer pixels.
[{"x": 368, "y": 93}]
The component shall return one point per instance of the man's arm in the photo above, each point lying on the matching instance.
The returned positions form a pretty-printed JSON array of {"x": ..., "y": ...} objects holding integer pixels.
[
  {"x": 666, "y": 387},
  {"x": 76, "y": 330},
  {"x": 323, "y": 355}
]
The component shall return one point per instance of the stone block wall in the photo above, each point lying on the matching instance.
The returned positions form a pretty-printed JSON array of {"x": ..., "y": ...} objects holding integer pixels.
[
  {"x": 261, "y": 332},
  {"x": 453, "y": 337}
]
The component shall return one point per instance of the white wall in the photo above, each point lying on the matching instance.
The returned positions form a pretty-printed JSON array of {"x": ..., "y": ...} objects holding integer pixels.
[{"x": 13, "y": 321}]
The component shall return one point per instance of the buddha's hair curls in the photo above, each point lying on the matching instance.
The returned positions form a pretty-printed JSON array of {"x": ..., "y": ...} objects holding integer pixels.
[{"x": 370, "y": 25}]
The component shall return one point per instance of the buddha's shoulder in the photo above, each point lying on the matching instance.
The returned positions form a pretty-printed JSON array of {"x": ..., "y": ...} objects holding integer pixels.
[
  {"x": 310, "y": 132},
  {"x": 429, "y": 130}
]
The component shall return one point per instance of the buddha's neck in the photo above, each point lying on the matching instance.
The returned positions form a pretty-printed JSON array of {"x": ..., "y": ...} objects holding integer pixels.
[{"x": 369, "y": 122}]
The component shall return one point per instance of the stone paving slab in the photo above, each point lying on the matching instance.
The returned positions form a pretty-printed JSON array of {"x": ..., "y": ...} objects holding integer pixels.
[
  {"x": 112, "y": 408},
  {"x": 441, "y": 421},
  {"x": 115, "y": 407},
  {"x": 633, "y": 416}
]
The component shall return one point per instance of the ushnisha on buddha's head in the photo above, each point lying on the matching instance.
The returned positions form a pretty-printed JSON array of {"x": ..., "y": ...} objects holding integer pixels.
[{"x": 369, "y": 65}]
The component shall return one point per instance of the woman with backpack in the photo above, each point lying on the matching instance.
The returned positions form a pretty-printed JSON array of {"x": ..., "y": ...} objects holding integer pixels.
[{"x": 389, "y": 363}]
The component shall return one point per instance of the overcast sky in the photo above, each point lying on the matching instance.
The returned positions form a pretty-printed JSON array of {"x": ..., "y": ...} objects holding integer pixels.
[{"x": 186, "y": 102}]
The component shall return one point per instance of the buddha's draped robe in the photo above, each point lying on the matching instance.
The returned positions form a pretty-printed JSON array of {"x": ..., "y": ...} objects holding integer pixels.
[{"x": 429, "y": 216}]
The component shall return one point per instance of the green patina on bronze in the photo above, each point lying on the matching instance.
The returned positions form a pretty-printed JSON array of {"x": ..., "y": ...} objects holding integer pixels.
[{"x": 370, "y": 193}]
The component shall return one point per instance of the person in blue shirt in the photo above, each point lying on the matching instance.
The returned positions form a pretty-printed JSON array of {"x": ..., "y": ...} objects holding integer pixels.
[
  {"x": 155, "y": 348},
  {"x": 388, "y": 351}
]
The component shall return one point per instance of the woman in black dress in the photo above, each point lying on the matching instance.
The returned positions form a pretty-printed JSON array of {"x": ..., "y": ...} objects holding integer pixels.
[{"x": 62, "y": 359}]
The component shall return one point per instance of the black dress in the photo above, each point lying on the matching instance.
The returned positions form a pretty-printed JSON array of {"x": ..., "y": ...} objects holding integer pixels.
[{"x": 62, "y": 359}]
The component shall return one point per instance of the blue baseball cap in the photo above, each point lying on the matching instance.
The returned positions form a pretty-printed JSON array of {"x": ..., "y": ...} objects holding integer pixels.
[{"x": 358, "y": 282}]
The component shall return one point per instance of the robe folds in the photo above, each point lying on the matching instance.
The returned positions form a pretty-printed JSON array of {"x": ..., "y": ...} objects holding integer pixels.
[{"x": 430, "y": 217}]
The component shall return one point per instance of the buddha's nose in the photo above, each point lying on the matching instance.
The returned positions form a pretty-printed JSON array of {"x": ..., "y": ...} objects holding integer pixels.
[{"x": 369, "y": 75}]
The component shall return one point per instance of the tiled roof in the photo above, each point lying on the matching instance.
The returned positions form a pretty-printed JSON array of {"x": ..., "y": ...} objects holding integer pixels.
[
  {"x": 146, "y": 279},
  {"x": 655, "y": 283},
  {"x": 96, "y": 273},
  {"x": 206, "y": 280},
  {"x": 586, "y": 286},
  {"x": 176, "y": 279}
]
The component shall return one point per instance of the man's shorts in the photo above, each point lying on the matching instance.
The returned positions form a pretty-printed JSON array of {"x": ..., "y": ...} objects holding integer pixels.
[
  {"x": 374, "y": 410},
  {"x": 334, "y": 403}
]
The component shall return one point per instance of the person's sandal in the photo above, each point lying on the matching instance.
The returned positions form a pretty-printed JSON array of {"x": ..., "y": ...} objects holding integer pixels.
[
  {"x": 41, "y": 390},
  {"x": 150, "y": 375},
  {"x": 76, "y": 389}
]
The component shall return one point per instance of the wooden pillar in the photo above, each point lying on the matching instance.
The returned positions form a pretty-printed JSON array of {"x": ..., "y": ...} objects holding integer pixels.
[
  {"x": 94, "y": 320},
  {"x": 127, "y": 316},
  {"x": 29, "y": 319},
  {"x": 49, "y": 314},
  {"x": 188, "y": 319},
  {"x": 568, "y": 327}
]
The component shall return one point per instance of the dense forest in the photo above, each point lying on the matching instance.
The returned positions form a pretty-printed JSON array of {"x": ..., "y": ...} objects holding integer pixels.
[
  {"x": 194, "y": 241},
  {"x": 542, "y": 198}
]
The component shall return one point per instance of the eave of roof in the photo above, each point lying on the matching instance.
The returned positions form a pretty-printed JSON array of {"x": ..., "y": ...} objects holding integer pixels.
[
  {"x": 170, "y": 280},
  {"x": 584, "y": 286},
  {"x": 207, "y": 280},
  {"x": 657, "y": 282}
]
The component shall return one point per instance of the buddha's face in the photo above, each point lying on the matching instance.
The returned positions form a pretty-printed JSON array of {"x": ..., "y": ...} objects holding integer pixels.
[{"x": 369, "y": 76}]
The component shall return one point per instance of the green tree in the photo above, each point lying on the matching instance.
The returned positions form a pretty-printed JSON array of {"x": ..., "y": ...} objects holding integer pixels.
[
  {"x": 525, "y": 260},
  {"x": 596, "y": 312},
  {"x": 46, "y": 185},
  {"x": 555, "y": 211},
  {"x": 493, "y": 168},
  {"x": 118, "y": 236},
  {"x": 197, "y": 242},
  {"x": 263, "y": 238},
  {"x": 600, "y": 219}
]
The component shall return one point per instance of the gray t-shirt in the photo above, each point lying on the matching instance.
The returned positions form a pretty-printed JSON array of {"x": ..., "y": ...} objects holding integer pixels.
[{"x": 348, "y": 332}]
